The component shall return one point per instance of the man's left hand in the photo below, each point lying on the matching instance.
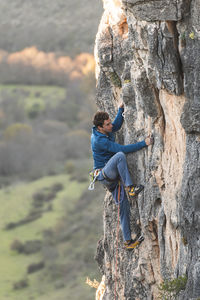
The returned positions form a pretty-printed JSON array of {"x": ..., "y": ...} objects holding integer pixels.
[{"x": 149, "y": 140}]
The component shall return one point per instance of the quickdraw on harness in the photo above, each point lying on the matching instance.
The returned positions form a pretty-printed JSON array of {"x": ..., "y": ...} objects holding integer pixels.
[{"x": 93, "y": 177}]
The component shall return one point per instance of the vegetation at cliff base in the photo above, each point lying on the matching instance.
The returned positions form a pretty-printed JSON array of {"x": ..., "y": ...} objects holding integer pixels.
[{"x": 170, "y": 289}]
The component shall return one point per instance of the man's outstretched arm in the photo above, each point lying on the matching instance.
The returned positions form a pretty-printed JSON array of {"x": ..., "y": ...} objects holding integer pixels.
[
  {"x": 118, "y": 119},
  {"x": 113, "y": 147}
]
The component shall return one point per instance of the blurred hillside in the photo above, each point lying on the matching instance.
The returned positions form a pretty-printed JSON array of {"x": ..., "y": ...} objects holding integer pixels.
[{"x": 61, "y": 26}]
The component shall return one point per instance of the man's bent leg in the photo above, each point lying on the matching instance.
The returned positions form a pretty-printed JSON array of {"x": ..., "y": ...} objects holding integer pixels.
[{"x": 117, "y": 166}]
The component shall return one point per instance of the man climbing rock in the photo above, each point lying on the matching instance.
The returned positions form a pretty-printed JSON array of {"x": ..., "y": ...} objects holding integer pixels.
[{"x": 110, "y": 167}]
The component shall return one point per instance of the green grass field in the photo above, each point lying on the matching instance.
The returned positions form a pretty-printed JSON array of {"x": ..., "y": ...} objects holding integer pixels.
[
  {"x": 16, "y": 202},
  {"x": 51, "y": 94}
]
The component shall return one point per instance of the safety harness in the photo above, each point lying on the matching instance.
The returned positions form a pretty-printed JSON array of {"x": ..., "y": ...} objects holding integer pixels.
[{"x": 93, "y": 177}]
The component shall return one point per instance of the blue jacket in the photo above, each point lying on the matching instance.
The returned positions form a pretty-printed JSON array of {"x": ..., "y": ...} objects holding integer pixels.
[{"x": 104, "y": 147}]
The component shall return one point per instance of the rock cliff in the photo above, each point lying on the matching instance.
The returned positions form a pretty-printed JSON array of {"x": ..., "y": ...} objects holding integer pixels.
[{"x": 147, "y": 54}]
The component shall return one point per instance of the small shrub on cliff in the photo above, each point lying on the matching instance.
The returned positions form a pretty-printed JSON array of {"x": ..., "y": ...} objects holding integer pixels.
[
  {"x": 184, "y": 241},
  {"x": 170, "y": 289},
  {"x": 115, "y": 79}
]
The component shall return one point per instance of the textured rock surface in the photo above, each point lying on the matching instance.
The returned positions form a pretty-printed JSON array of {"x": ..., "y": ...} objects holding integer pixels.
[{"x": 147, "y": 55}]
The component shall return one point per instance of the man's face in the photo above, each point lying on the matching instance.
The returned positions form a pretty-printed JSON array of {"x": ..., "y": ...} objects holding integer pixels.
[{"x": 107, "y": 127}]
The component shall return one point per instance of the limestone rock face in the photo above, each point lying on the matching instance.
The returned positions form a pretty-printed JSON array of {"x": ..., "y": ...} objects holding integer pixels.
[
  {"x": 147, "y": 55},
  {"x": 157, "y": 10}
]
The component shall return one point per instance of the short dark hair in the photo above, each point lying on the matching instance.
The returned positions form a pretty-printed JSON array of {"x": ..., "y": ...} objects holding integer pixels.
[{"x": 99, "y": 118}]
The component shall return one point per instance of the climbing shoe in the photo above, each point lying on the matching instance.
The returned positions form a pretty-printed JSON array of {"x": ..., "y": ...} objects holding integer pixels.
[
  {"x": 135, "y": 190},
  {"x": 130, "y": 245}
]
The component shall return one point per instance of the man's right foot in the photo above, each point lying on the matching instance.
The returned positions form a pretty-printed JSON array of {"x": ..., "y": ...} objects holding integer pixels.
[
  {"x": 130, "y": 245},
  {"x": 135, "y": 190}
]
